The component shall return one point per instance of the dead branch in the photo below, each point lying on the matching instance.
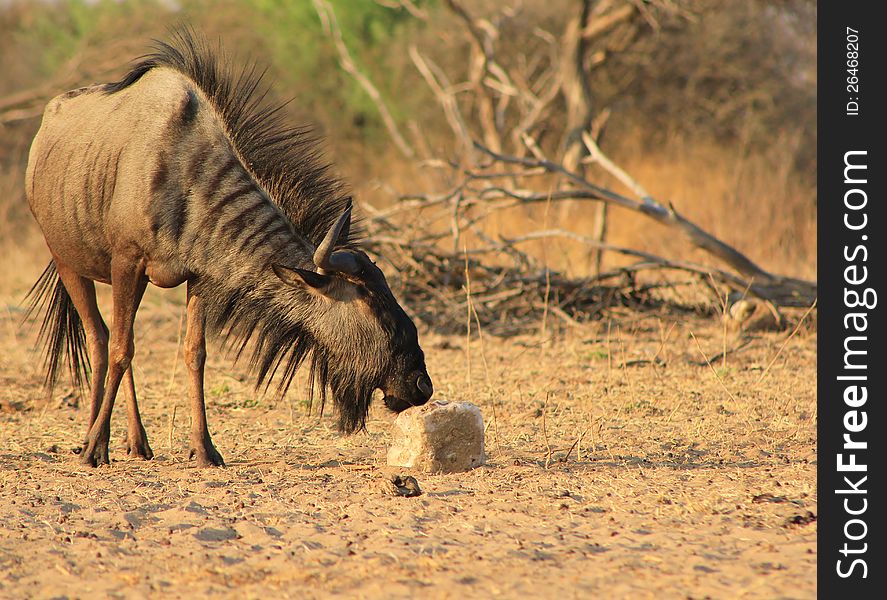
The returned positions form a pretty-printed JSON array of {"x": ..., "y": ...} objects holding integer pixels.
[
  {"x": 20, "y": 114},
  {"x": 649, "y": 258},
  {"x": 331, "y": 26},
  {"x": 409, "y": 6},
  {"x": 445, "y": 97},
  {"x": 597, "y": 156},
  {"x": 507, "y": 300},
  {"x": 601, "y": 24},
  {"x": 785, "y": 291},
  {"x": 483, "y": 68}
]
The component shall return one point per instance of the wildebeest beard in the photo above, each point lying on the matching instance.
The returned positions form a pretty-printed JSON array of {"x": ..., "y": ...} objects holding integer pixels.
[{"x": 278, "y": 349}]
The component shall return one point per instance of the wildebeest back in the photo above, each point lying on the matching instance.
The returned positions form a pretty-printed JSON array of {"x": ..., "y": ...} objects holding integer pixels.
[{"x": 113, "y": 167}]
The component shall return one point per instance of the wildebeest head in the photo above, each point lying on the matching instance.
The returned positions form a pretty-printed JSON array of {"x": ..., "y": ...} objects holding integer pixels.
[{"x": 365, "y": 340}]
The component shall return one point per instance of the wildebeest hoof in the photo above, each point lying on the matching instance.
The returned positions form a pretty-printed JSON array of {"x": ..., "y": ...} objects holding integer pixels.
[
  {"x": 207, "y": 456},
  {"x": 139, "y": 448},
  {"x": 95, "y": 453}
]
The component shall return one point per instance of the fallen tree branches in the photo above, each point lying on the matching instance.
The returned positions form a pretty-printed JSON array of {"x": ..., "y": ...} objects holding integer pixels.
[
  {"x": 512, "y": 288},
  {"x": 509, "y": 300},
  {"x": 784, "y": 291}
]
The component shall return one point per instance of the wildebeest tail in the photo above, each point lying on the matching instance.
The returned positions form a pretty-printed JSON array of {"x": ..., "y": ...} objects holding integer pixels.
[{"x": 61, "y": 332}]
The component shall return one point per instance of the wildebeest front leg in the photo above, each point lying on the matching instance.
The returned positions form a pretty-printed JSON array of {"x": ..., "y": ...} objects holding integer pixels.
[
  {"x": 128, "y": 284},
  {"x": 202, "y": 447}
]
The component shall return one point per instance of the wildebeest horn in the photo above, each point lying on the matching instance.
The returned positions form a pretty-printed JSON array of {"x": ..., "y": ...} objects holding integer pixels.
[
  {"x": 424, "y": 385},
  {"x": 325, "y": 258}
]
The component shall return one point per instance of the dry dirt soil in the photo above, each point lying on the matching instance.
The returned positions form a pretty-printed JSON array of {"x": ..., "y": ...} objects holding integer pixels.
[{"x": 621, "y": 465}]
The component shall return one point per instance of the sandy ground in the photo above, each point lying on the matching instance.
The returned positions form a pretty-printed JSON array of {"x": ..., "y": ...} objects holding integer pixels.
[{"x": 618, "y": 468}]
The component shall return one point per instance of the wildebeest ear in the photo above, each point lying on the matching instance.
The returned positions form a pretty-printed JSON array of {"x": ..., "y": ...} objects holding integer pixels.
[{"x": 300, "y": 277}]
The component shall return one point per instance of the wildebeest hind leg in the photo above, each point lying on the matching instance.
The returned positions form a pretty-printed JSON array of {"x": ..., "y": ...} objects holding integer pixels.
[
  {"x": 128, "y": 284},
  {"x": 202, "y": 447},
  {"x": 136, "y": 438},
  {"x": 82, "y": 294}
]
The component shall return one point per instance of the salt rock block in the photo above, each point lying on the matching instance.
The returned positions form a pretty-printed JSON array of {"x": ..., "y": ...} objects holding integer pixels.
[{"x": 439, "y": 437}]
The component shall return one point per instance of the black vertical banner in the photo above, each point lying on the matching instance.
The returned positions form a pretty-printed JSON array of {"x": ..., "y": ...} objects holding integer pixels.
[{"x": 852, "y": 230}]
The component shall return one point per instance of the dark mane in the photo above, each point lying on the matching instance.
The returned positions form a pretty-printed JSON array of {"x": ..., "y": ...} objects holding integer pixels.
[
  {"x": 286, "y": 160},
  {"x": 280, "y": 348}
]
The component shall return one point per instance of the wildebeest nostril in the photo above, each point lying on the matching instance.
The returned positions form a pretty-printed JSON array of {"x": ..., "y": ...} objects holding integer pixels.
[{"x": 424, "y": 385}]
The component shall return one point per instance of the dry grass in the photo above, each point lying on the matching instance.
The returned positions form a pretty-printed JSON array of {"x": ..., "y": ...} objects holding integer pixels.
[{"x": 611, "y": 474}]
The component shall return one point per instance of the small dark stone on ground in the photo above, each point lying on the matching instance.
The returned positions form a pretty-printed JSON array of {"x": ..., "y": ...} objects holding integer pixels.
[
  {"x": 804, "y": 519},
  {"x": 400, "y": 485}
]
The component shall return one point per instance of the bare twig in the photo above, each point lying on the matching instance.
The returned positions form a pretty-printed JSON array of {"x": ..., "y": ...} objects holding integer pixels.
[
  {"x": 786, "y": 291},
  {"x": 709, "y": 360},
  {"x": 597, "y": 156},
  {"x": 715, "y": 373},
  {"x": 331, "y": 26},
  {"x": 440, "y": 88},
  {"x": 785, "y": 343},
  {"x": 604, "y": 23},
  {"x": 548, "y": 450},
  {"x": 408, "y": 5}
]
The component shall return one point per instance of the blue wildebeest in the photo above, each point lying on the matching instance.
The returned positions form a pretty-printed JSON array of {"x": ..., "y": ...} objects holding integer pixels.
[{"x": 179, "y": 173}]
